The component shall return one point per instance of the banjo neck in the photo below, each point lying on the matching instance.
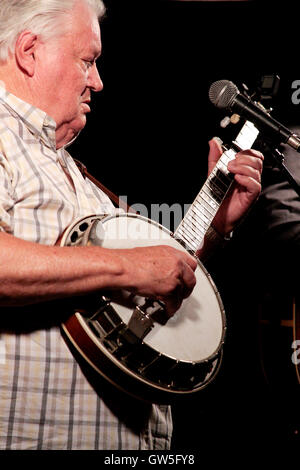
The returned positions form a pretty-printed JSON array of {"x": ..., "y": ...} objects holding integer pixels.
[{"x": 201, "y": 213}]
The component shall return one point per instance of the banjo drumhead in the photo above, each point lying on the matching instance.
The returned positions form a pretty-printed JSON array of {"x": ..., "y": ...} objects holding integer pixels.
[{"x": 196, "y": 332}]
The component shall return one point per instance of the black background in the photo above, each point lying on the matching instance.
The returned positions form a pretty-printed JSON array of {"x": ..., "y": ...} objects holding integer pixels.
[
  {"x": 147, "y": 135},
  {"x": 147, "y": 138}
]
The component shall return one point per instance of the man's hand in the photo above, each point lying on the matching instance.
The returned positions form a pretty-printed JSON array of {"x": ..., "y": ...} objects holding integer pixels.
[
  {"x": 160, "y": 272},
  {"x": 247, "y": 169}
]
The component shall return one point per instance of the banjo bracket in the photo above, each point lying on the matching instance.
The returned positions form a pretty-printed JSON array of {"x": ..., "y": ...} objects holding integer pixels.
[
  {"x": 141, "y": 321},
  {"x": 139, "y": 325}
]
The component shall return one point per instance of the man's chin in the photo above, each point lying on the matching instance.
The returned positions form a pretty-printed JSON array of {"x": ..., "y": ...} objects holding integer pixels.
[
  {"x": 73, "y": 137},
  {"x": 78, "y": 125},
  {"x": 72, "y": 132}
]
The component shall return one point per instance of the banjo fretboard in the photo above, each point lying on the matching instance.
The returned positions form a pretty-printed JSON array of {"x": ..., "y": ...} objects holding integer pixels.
[{"x": 201, "y": 213}]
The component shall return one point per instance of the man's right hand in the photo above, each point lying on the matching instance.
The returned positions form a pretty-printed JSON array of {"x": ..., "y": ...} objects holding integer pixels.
[{"x": 160, "y": 272}]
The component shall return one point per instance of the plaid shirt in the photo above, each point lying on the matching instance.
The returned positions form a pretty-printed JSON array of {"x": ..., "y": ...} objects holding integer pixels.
[{"x": 46, "y": 402}]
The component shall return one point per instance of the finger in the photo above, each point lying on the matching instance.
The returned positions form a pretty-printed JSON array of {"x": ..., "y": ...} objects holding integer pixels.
[
  {"x": 250, "y": 157},
  {"x": 186, "y": 275},
  {"x": 215, "y": 151},
  {"x": 247, "y": 160},
  {"x": 190, "y": 260},
  {"x": 252, "y": 152},
  {"x": 215, "y": 148},
  {"x": 172, "y": 304},
  {"x": 184, "y": 288},
  {"x": 245, "y": 170},
  {"x": 250, "y": 184},
  {"x": 188, "y": 282}
]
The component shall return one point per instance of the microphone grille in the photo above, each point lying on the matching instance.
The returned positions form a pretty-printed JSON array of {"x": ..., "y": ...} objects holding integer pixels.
[{"x": 222, "y": 93}]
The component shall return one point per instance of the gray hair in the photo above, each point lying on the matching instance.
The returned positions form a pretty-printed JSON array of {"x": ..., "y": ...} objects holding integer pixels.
[{"x": 42, "y": 17}]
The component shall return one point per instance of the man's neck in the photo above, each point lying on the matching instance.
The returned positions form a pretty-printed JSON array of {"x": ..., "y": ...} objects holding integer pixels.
[
  {"x": 16, "y": 85},
  {"x": 22, "y": 88}
]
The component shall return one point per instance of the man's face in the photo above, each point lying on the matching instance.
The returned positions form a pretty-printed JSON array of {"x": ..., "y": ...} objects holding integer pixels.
[{"x": 66, "y": 74}]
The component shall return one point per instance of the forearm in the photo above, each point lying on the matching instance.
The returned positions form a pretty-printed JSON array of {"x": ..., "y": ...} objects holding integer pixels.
[{"x": 31, "y": 273}]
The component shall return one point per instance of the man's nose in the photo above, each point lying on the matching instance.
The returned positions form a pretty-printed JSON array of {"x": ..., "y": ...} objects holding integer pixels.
[{"x": 94, "y": 81}]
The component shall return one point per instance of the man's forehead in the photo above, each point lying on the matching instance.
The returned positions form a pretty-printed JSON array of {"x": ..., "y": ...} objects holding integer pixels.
[
  {"x": 96, "y": 43},
  {"x": 85, "y": 24},
  {"x": 95, "y": 47},
  {"x": 87, "y": 36}
]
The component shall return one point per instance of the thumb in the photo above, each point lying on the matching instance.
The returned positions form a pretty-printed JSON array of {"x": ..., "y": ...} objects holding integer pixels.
[{"x": 215, "y": 151}]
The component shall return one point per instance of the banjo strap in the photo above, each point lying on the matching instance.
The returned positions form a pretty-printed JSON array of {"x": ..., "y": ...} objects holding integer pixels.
[{"x": 114, "y": 198}]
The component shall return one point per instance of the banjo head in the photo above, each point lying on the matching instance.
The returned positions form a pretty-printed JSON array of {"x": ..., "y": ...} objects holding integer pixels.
[
  {"x": 196, "y": 331},
  {"x": 191, "y": 338}
]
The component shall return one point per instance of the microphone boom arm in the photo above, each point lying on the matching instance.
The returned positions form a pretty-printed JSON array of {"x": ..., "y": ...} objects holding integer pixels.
[{"x": 225, "y": 95}]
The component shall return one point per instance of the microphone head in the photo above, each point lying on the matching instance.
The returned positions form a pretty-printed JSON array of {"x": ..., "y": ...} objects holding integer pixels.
[{"x": 222, "y": 93}]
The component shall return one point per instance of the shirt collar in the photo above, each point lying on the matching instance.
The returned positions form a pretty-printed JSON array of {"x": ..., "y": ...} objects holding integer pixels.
[{"x": 37, "y": 121}]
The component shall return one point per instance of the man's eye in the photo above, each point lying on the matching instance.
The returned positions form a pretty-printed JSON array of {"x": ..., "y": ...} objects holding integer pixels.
[{"x": 89, "y": 63}]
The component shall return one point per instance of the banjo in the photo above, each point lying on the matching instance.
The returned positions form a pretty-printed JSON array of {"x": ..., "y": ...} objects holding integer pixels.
[{"x": 129, "y": 340}]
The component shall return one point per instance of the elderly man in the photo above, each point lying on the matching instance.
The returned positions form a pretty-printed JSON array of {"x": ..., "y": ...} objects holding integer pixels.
[{"x": 46, "y": 402}]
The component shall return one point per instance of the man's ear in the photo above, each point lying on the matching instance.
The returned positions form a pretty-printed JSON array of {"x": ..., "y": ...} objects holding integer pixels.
[{"x": 25, "y": 52}]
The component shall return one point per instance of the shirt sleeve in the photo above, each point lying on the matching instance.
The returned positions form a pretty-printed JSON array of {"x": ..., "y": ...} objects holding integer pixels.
[{"x": 6, "y": 198}]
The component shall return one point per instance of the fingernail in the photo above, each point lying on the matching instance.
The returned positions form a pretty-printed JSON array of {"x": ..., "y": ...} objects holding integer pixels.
[{"x": 217, "y": 139}]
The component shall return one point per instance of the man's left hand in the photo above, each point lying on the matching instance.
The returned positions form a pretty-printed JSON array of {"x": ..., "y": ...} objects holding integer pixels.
[{"x": 247, "y": 168}]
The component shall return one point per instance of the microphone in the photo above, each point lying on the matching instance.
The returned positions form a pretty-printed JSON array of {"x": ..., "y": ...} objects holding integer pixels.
[{"x": 225, "y": 95}]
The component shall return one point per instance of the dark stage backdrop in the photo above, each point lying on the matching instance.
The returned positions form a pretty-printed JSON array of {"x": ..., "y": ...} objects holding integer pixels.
[
  {"x": 147, "y": 134},
  {"x": 147, "y": 137}
]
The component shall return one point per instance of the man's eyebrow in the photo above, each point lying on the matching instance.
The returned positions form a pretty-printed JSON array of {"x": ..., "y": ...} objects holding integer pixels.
[
  {"x": 93, "y": 56},
  {"x": 97, "y": 53}
]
